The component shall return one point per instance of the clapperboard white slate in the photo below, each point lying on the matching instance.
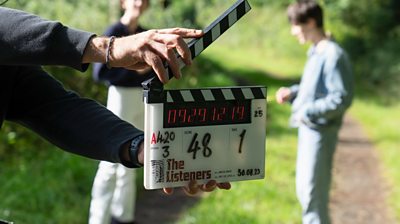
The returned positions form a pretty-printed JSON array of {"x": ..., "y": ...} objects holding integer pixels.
[{"x": 205, "y": 134}]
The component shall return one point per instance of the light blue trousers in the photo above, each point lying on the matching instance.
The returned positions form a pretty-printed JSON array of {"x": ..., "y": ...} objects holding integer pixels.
[{"x": 313, "y": 172}]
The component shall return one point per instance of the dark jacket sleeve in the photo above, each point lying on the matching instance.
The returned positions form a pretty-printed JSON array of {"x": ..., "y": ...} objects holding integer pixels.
[
  {"x": 27, "y": 39},
  {"x": 75, "y": 124}
]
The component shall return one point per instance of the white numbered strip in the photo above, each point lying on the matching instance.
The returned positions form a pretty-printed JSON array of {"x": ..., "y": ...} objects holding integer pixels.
[{"x": 205, "y": 139}]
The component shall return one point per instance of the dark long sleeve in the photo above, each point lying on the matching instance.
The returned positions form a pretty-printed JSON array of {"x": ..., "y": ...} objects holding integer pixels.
[
  {"x": 27, "y": 39},
  {"x": 75, "y": 124}
]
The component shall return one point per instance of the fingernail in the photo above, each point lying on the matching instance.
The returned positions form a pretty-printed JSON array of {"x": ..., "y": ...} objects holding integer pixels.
[
  {"x": 168, "y": 191},
  {"x": 166, "y": 76}
]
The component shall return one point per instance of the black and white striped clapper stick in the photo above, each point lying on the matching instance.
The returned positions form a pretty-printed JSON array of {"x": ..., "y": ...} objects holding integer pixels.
[
  {"x": 213, "y": 31},
  {"x": 214, "y": 94}
]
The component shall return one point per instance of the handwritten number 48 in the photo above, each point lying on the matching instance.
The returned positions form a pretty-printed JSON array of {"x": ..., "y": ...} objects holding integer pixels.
[{"x": 194, "y": 145}]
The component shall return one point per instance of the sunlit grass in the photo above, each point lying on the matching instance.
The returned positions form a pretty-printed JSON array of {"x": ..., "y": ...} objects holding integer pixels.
[{"x": 51, "y": 187}]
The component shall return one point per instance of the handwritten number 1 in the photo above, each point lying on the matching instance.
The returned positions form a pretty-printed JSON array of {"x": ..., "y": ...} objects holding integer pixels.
[{"x": 241, "y": 140}]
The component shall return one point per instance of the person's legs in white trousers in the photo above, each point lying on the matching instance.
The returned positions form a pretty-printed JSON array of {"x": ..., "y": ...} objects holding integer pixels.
[{"x": 114, "y": 187}]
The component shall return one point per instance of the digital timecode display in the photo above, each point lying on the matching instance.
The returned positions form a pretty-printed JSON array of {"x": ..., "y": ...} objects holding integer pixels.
[{"x": 189, "y": 114}]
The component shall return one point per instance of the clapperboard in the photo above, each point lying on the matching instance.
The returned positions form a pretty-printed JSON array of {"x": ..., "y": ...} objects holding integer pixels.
[{"x": 204, "y": 134}]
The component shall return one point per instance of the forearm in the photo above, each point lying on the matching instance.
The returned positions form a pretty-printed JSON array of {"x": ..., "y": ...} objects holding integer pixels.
[{"x": 96, "y": 50}]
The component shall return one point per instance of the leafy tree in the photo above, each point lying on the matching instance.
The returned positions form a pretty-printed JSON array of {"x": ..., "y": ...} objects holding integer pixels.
[{"x": 370, "y": 31}]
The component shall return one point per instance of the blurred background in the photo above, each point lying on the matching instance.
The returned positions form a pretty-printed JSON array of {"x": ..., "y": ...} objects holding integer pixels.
[{"x": 41, "y": 184}]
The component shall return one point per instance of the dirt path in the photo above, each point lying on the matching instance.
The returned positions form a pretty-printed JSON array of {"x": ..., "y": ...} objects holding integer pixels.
[
  {"x": 156, "y": 207},
  {"x": 358, "y": 191}
]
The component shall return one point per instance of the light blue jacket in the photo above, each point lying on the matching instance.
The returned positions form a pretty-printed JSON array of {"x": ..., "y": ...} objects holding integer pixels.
[{"x": 325, "y": 90}]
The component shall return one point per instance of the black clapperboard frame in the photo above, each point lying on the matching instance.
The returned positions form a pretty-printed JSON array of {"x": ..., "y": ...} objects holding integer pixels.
[{"x": 163, "y": 170}]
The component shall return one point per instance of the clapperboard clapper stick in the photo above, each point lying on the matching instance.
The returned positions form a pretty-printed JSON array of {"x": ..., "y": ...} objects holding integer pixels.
[{"x": 211, "y": 33}]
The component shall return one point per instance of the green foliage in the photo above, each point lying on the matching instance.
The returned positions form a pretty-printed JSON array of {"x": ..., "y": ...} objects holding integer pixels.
[
  {"x": 371, "y": 19},
  {"x": 88, "y": 15},
  {"x": 379, "y": 70},
  {"x": 196, "y": 14},
  {"x": 178, "y": 13},
  {"x": 369, "y": 30},
  {"x": 270, "y": 3}
]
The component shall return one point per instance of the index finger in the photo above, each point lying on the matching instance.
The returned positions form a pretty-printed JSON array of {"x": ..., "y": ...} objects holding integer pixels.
[
  {"x": 175, "y": 41},
  {"x": 183, "y": 32}
]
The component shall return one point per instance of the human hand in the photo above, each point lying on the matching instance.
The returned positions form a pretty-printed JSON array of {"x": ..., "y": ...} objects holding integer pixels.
[
  {"x": 151, "y": 48},
  {"x": 282, "y": 95},
  {"x": 193, "y": 188},
  {"x": 144, "y": 50}
]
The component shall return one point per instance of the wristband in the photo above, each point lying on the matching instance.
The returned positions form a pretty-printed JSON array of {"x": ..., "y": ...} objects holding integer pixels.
[
  {"x": 134, "y": 150},
  {"x": 108, "y": 51}
]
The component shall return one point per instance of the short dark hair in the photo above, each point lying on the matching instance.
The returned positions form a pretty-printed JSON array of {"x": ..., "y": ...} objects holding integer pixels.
[{"x": 303, "y": 10}]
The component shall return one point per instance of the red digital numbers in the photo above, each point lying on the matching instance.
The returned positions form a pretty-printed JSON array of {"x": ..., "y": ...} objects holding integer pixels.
[
  {"x": 203, "y": 114},
  {"x": 238, "y": 113},
  {"x": 200, "y": 114}
]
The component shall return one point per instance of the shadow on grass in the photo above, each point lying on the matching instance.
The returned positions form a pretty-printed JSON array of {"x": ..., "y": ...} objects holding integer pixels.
[{"x": 156, "y": 207}]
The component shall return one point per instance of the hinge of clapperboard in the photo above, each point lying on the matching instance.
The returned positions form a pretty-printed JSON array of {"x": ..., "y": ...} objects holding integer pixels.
[{"x": 153, "y": 89}]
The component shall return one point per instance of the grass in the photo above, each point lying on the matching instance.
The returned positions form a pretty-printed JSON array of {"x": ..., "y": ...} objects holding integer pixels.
[{"x": 47, "y": 186}]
